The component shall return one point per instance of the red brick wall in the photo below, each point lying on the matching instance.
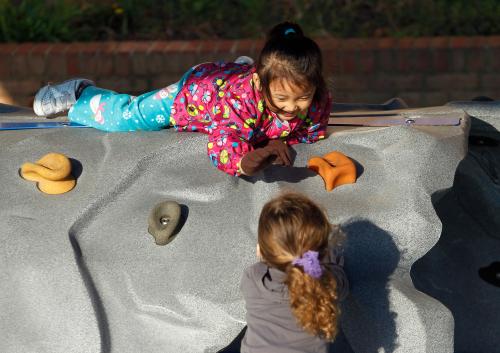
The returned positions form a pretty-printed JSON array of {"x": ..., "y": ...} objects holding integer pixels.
[{"x": 422, "y": 71}]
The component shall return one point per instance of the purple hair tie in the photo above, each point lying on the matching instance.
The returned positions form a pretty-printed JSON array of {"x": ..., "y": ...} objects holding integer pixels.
[{"x": 310, "y": 263}]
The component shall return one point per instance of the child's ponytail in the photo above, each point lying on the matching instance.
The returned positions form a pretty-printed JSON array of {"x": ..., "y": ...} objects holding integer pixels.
[
  {"x": 314, "y": 302},
  {"x": 287, "y": 30},
  {"x": 294, "y": 236}
]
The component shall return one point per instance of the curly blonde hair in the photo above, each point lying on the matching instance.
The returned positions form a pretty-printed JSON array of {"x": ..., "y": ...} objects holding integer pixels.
[{"x": 290, "y": 225}]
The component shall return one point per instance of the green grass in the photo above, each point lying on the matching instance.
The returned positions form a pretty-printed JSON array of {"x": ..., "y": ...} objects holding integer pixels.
[{"x": 79, "y": 20}]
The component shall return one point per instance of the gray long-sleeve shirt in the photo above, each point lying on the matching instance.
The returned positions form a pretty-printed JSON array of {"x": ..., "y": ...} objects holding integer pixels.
[{"x": 270, "y": 321}]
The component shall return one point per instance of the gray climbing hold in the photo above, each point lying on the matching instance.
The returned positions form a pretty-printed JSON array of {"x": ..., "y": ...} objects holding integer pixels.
[{"x": 163, "y": 221}]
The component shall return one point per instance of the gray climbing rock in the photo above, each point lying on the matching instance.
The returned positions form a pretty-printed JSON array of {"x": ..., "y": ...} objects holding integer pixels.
[{"x": 163, "y": 221}]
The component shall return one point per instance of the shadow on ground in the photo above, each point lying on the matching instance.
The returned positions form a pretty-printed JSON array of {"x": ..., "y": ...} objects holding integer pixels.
[{"x": 468, "y": 249}]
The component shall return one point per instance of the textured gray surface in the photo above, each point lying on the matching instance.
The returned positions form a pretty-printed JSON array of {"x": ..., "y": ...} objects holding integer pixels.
[
  {"x": 485, "y": 116},
  {"x": 82, "y": 274}
]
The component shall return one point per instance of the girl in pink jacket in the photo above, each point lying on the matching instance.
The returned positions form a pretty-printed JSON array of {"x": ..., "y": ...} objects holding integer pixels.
[{"x": 250, "y": 112}]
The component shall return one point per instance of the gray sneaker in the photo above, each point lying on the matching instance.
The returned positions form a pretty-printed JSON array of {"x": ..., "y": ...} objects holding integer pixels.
[
  {"x": 50, "y": 100},
  {"x": 244, "y": 60}
]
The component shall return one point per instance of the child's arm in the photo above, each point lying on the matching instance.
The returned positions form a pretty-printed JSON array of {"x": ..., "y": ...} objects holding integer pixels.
[
  {"x": 234, "y": 155},
  {"x": 226, "y": 150},
  {"x": 314, "y": 126}
]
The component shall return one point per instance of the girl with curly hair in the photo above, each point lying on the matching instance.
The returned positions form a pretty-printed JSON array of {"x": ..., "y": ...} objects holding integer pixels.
[{"x": 292, "y": 295}]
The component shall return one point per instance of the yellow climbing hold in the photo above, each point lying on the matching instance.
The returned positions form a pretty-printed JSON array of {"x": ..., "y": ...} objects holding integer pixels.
[{"x": 52, "y": 173}]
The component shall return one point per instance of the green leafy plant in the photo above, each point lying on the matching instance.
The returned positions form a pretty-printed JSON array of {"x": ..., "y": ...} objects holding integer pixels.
[
  {"x": 32, "y": 20},
  {"x": 82, "y": 20}
]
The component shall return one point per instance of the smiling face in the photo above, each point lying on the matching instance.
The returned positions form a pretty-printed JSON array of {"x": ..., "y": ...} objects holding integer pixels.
[{"x": 286, "y": 99}]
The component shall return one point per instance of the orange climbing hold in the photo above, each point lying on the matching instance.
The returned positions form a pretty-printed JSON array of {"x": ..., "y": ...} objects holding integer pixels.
[
  {"x": 335, "y": 168},
  {"x": 52, "y": 173}
]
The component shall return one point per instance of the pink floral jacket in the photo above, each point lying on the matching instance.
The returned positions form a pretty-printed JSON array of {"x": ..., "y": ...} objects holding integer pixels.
[{"x": 219, "y": 99}]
